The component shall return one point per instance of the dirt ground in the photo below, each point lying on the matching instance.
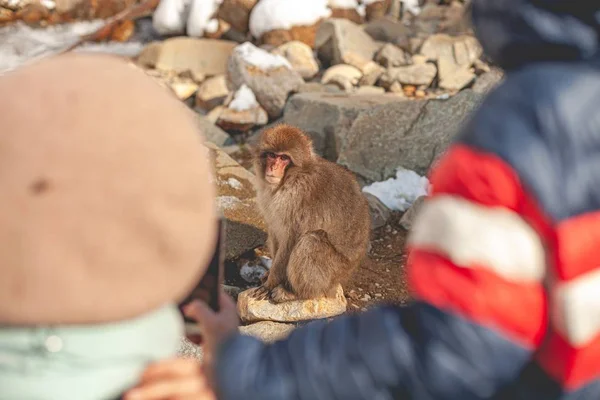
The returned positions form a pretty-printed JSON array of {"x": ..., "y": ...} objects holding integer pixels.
[{"x": 381, "y": 278}]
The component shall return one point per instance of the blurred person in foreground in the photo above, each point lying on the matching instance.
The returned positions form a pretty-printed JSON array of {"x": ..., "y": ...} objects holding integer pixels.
[
  {"x": 504, "y": 257},
  {"x": 107, "y": 221}
]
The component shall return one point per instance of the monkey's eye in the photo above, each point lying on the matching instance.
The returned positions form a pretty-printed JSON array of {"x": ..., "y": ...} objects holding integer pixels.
[
  {"x": 285, "y": 157},
  {"x": 268, "y": 154}
]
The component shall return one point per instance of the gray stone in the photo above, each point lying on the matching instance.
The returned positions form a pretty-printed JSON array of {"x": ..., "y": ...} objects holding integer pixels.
[
  {"x": 387, "y": 30},
  {"x": 338, "y": 37},
  {"x": 415, "y": 74},
  {"x": 379, "y": 212},
  {"x": 245, "y": 227},
  {"x": 301, "y": 56},
  {"x": 463, "y": 50},
  {"x": 213, "y": 133},
  {"x": 410, "y": 133},
  {"x": 453, "y": 76},
  {"x": 232, "y": 291},
  {"x": 268, "y": 331},
  {"x": 188, "y": 349},
  {"x": 392, "y": 56},
  {"x": 327, "y": 117},
  {"x": 409, "y": 216},
  {"x": 311, "y": 87},
  {"x": 487, "y": 81}
]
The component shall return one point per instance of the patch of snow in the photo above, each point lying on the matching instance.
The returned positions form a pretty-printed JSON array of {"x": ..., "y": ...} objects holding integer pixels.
[
  {"x": 252, "y": 273},
  {"x": 234, "y": 183},
  {"x": 169, "y": 18},
  {"x": 20, "y": 43},
  {"x": 343, "y": 4},
  {"x": 266, "y": 262},
  {"x": 243, "y": 99},
  {"x": 362, "y": 10},
  {"x": 260, "y": 58},
  {"x": 202, "y": 13},
  {"x": 400, "y": 192},
  {"x": 227, "y": 202},
  {"x": 212, "y": 26},
  {"x": 49, "y": 4},
  {"x": 269, "y": 15},
  {"x": 412, "y": 6}
]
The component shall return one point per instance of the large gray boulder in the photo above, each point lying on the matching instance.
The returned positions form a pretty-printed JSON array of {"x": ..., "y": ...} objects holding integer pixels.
[
  {"x": 411, "y": 134},
  {"x": 327, "y": 117}
]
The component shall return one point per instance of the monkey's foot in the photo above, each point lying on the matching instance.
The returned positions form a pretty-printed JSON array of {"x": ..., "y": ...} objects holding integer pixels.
[
  {"x": 261, "y": 293},
  {"x": 280, "y": 295}
]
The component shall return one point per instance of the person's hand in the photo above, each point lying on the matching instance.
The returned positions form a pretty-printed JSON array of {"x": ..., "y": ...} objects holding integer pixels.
[
  {"x": 215, "y": 327},
  {"x": 174, "y": 379}
]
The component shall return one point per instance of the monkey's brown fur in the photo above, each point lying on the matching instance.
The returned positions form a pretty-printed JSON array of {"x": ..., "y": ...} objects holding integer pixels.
[{"x": 318, "y": 220}]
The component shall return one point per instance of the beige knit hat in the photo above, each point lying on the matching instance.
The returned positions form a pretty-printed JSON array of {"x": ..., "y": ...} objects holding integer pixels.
[{"x": 106, "y": 205}]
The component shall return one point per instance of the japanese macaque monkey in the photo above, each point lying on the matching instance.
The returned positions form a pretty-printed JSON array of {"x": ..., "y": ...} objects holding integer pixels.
[{"x": 317, "y": 218}]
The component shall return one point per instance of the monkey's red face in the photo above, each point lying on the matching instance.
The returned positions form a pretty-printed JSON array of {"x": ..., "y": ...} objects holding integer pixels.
[{"x": 276, "y": 165}]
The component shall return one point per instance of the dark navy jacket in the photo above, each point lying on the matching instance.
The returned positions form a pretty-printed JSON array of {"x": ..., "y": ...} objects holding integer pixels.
[{"x": 504, "y": 258}]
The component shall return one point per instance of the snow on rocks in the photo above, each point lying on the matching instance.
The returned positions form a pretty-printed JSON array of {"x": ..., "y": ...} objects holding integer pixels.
[
  {"x": 351, "y": 10},
  {"x": 400, "y": 192},
  {"x": 195, "y": 17},
  {"x": 270, "y": 77},
  {"x": 278, "y": 21},
  {"x": 242, "y": 113}
]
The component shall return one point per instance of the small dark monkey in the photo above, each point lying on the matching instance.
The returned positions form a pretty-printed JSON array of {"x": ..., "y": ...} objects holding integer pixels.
[{"x": 317, "y": 218}]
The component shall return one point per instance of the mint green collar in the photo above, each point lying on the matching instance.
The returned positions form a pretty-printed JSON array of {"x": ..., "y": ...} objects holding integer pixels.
[{"x": 84, "y": 362}]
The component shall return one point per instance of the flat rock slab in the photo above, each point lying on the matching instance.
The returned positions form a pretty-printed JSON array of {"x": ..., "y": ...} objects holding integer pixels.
[
  {"x": 236, "y": 200},
  {"x": 268, "y": 331},
  {"x": 254, "y": 310},
  {"x": 185, "y": 54}
]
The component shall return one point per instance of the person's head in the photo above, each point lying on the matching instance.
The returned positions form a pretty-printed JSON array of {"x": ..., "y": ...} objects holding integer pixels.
[{"x": 107, "y": 207}]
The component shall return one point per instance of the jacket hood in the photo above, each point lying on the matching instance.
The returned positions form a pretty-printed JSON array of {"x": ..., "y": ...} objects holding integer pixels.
[{"x": 519, "y": 32}]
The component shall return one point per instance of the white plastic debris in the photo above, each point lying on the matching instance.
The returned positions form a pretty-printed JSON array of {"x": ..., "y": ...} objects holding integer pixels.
[
  {"x": 260, "y": 58},
  {"x": 243, "y": 99},
  {"x": 269, "y": 15},
  {"x": 400, "y": 192}
]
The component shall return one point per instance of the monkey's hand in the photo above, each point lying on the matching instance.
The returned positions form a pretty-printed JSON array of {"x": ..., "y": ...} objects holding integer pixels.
[
  {"x": 261, "y": 293},
  {"x": 281, "y": 295}
]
